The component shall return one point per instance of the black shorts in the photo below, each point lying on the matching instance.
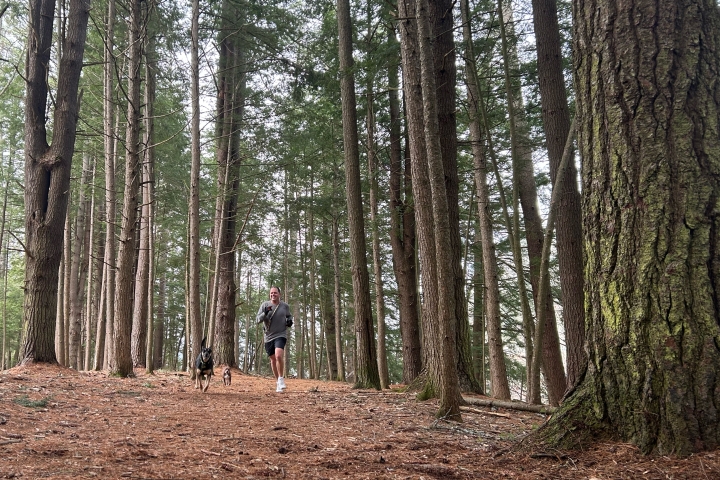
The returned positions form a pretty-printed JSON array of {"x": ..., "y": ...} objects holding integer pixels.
[{"x": 273, "y": 344}]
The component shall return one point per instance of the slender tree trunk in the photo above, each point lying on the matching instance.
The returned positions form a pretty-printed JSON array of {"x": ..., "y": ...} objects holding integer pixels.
[
  {"x": 64, "y": 295},
  {"x": 366, "y": 375},
  {"x": 311, "y": 299},
  {"x": 149, "y": 195},
  {"x": 110, "y": 193},
  {"x": 445, "y": 80},
  {"x": 402, "y": 234},
  {"x": 76, "y": 284},
  {"x": 445, "y": 342},
  {"x": 326, "y": 307},
  {"x": 194, "y": 307},
  {"x": 556, "y": 122},
  {"x": 479, "y": 322},
  {"x": 159, "y": 335},
  {"x": 377, "y": 266},
  {"x": 4, "y": 255},
  {"x": 491, "y": 301},
  {"x": 122, "y": 364},
  {"x": 524, "y": 180},
  {"x": 94, "y": 278},
  {"x": 336, "y": 299}
]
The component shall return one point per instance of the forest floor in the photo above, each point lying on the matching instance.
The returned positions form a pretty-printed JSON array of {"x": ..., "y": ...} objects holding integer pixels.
[{"x": 59, "y": 423}]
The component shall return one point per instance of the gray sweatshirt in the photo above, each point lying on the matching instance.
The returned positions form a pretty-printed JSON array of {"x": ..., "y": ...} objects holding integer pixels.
[{"x": 274, "y": 322}]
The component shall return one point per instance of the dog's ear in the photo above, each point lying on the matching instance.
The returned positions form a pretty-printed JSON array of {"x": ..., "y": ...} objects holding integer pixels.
[{"x": 202, "y": 344}]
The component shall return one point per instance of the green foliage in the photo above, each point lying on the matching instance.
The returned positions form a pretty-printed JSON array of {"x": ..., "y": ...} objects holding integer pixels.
[{"x": 25, "y": 401}]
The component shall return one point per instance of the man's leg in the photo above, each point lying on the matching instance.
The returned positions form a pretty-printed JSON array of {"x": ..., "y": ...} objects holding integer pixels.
[
  {"x": 274, "y": 366},
  {"x": 280, "y": 362}
]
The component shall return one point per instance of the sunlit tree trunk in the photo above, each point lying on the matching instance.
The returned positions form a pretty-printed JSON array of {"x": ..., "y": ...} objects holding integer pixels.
[{"x": 63, "y": 309}]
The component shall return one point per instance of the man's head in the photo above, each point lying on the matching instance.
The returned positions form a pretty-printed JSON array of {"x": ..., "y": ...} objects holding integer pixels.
[{"x": 274, "y": 294}]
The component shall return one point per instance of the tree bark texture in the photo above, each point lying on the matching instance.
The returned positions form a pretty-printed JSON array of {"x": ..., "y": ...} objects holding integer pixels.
[
  {"x": 232, "y": 85},
  {"x": 47, "y": 169},
  {"x": 194, "y": 306},
  {"x": 649, "y": 116},
  {"x": 109, "y": 71},
  {"x": 445, "y": 343},
  {"x": 440, "y": 12},
  {"x": 122, "y": 364},
  {"x": 367, "y": 375},
  {"x": 412, "y": 88},
  {"x": 78, "y": 268},
  {"x": 402, "y": 233}
]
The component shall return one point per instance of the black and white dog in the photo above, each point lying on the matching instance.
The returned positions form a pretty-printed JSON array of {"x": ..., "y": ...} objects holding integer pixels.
[{"x": 204, "y": 367}]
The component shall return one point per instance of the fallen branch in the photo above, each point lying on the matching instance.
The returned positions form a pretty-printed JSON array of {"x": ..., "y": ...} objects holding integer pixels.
[
  {"x": 485, "y": 412},
  {"x": 211, "y": 453},
  {"x": 5, "y": 442},
  {"x": 526, "y": 407}
]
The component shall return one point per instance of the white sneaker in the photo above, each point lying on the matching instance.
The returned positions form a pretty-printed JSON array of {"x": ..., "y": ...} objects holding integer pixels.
[
  {"x": 279, "y": 388},
  {"x": 281, "y": 383}
]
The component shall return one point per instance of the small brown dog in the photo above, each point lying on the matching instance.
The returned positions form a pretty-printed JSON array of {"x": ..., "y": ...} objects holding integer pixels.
[{"x": 227, "y": 376}]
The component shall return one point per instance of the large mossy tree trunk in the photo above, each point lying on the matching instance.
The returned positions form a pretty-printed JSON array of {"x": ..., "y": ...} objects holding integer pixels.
[{"x": 649, "y": 109}]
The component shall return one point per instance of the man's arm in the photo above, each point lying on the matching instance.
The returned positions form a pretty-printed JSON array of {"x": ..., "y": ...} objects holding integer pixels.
[{"x": 261, "y": 313}]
